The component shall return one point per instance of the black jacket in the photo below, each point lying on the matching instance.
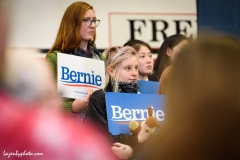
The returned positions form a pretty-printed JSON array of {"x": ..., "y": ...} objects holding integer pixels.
[{"x": 97, "y": 115}]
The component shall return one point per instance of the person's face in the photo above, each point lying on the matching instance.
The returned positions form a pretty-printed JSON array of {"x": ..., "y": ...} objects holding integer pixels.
[
  {"x": 145, "y": 61},
  {"x": 3, "y": 30},
  {"x": 87, "y": 32},
  {"x": 172, "y": 53},
  {"x": 127, "y": 71}
]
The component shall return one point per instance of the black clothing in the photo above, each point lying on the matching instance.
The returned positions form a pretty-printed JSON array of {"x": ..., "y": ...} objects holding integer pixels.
[
  {"x": 97, "y": 114},
  {"x": 153, "y": 77}
]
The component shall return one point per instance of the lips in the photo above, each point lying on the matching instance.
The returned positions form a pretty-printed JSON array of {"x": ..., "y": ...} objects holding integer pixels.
[
  {"x": 149, "y": 67},
  {"x": 133, "y": 80},
  {"x": 91, "y": 32}
]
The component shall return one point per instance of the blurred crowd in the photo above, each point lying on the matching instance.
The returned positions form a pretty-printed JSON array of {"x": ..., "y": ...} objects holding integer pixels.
[{"x": 200, "y": 79}]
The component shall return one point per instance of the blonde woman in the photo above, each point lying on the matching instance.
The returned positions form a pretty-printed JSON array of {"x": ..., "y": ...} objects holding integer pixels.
[{"x": 121, "y": 76}]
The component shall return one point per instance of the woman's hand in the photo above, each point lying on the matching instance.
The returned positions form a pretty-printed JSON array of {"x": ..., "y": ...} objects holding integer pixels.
[
  {"x": 89, "y": 93},
  {"x": 80, "y": 104},
  {"x": 143, "y": 135},
  {"x": 122, "y": 151}
]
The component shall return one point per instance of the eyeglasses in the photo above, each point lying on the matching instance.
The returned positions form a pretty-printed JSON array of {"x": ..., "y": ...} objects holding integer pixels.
[{"x": 88, "y": 22}]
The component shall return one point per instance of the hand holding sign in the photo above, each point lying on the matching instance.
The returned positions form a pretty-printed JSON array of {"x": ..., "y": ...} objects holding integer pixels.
[
  {"x": 76, "y": 74},
  {"x": 80, "y": 104},
  {"x": 143, "y": 135},
  {"x": 89, "y": 93}
]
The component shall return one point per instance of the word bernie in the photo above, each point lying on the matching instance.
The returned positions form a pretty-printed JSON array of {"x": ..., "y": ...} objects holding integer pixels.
[
  {"x": 72, "y": 76},
  {"x": 136, "y": 114}
]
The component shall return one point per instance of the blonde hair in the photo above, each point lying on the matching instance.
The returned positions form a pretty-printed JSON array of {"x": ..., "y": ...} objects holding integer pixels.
[{"x": 114, "y": 57}]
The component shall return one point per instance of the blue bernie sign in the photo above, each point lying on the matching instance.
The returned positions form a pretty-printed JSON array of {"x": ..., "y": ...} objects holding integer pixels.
[
  {"x": 124, "y": 107},
  {"x": 148, "y": 87}
]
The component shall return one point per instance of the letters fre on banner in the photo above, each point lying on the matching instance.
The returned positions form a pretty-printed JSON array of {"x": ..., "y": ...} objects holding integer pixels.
[
  {"x": 148, "y": 87},
  {"x": 76, "y": 74},
  {"x": 124, "y": 107}
]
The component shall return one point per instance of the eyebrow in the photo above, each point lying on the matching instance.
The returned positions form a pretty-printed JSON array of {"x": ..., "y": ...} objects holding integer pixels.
[
  {"x": 145, "y": 53},
  {"x": 130, "y": 65},
  {"x": 90, "y": 17}
]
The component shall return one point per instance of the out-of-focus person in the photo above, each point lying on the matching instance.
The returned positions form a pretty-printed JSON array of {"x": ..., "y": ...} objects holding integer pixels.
[
  {"x": 202, "y": 94},
  {"x": 30, "y": 79},
  {"x": 163, "y": 80}
]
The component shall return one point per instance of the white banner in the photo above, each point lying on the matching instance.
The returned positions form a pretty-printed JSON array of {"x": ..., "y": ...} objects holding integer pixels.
[
  {"x": 152, "y": 28},
  {"x": 77, "y": 74},
  {"x": 115, "y": 15}
]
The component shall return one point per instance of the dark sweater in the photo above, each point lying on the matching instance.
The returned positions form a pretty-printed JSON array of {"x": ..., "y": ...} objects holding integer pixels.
[{"x": 97, "y": 115}]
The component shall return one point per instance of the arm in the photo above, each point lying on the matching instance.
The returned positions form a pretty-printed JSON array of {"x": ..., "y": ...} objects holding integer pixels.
[{"x": 97, "y": 114}]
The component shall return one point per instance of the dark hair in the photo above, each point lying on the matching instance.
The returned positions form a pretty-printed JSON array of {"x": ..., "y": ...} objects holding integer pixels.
[
  {"x": 163, "y": 60},
  {"x": 136, "y": 44}
]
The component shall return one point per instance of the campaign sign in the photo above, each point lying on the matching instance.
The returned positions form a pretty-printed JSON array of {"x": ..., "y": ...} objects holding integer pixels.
[
  {"x": 148, "y": 87},
  {"x": 124, "y": 107},
  {"x": 76, "y": 74}
]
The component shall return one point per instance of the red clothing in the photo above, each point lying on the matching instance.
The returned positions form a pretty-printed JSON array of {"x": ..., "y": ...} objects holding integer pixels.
[{"x": 33, "y": 132}]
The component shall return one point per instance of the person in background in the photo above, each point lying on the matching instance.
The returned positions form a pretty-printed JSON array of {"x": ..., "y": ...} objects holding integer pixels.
[
  {"x": 121, "y": 76},
  {"x": 76, "y": 36},
  {"x": 164, "y": 77},
  {"x": 170, "y": 47},
  {"x": 202, "y": 101},
  {"x": 144, "y": 55}
]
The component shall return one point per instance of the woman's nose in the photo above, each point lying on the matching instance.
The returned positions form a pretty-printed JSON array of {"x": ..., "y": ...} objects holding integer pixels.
[
  {"x": 92, "y": 24},
  {"x": 149, "y": 59},
  {"x": 135, "y": 72}
]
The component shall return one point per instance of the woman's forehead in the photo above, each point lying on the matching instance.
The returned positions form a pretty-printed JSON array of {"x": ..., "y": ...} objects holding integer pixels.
[
  {"x": 129, "y": 61},
  {"x": 90, "y": 13}
]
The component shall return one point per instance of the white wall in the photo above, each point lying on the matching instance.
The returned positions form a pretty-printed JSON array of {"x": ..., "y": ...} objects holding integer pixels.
[{"x": 34, "y": 23}]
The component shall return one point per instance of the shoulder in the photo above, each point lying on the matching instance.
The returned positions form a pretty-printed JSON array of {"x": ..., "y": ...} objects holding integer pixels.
[
  {"x": 97, "y": 97},
  {"x": 98, "y": 94},
  {"x": 165, "y": 74},
  {"x": 98, "y": 55},
  {"x": 163, "y": 80},
  {"x": 52, "y": 55}
]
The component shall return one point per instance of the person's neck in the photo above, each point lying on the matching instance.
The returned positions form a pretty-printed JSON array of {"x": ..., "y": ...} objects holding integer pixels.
[
  {"x": 84, "y": 45},
  {"x": 142, "y": 77}
]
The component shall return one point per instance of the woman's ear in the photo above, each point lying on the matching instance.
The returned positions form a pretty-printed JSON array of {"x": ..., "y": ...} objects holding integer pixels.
[
  {"x": 169, "y": 51},
  {"x": 110, "y": 71}
]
